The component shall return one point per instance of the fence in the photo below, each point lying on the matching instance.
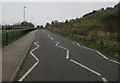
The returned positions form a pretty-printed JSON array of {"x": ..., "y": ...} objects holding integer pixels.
[{"x": 11, "y": 34}]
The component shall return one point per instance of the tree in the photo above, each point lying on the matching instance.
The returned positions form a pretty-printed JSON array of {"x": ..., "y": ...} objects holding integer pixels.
[
  {"x": 38, "y": 27},
  {"x": 27, "y": 24},
  {"x": 41, "y": 27},
  {"x": 47, "y": 25},
  {"x": 66, "y": 21}
]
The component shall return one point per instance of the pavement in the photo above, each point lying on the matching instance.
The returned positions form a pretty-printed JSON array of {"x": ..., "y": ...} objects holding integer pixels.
[
  {"x": 14, "y": 54},
  {"x": 0, "y": 65},
  {"x": 55, "y": 58}
]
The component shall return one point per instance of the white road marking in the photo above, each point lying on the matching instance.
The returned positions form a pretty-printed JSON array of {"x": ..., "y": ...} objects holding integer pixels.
[
  {"x": 104, "y": 80},
  {"x": 51, "y": 38},
  {"x": 33, "y": 50},
  {"x": 67, "y": 54},
  {"x": 73, "y": 42},
  {"x": 84, "y": 47},
  {"x": 114, "y": 61},
  {"x": 86, "y": 67},
  {"x": 98, "y": 53},
  {"x": 101, "y": 55},
  {"x": 28, "y": 72}
]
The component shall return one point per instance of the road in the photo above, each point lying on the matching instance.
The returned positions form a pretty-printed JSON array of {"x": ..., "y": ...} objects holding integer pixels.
[{"x": 55, "y": 58}]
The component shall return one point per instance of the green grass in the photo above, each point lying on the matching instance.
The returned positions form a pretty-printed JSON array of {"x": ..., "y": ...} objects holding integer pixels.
[
  {"x": 101, "y": 26},
  {"x": 105, "y": 48},
  {"x": 96, "y": 24}
]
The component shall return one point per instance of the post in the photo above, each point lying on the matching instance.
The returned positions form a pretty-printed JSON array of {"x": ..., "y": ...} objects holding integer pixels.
[{"x": 24, "y": 13}]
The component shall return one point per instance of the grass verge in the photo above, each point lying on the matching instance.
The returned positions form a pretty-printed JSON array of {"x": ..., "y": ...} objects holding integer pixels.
[{"x": 108, "y": 49}]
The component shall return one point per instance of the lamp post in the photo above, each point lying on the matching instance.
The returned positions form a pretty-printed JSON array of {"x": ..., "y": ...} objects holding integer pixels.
[{"x": 24, "y": 13}]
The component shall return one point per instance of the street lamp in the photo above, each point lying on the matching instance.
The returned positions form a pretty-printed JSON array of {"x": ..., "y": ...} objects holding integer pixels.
[{"x": 24, "y": 13}]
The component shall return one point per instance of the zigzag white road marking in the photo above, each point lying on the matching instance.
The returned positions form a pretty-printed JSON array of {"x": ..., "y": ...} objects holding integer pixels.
[
  {"x": 98, "y": 53},
  {"x": 37, "y": 61},
  {"x": 67, "y": 54},
  {"x": 87, "y": 68}
]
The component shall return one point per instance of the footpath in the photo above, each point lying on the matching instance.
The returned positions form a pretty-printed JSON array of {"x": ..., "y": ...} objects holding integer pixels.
[{"x": 14, "y": 54}]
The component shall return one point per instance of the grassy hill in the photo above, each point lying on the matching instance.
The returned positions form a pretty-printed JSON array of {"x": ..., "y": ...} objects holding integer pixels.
[{"x": 99, "y": 24}]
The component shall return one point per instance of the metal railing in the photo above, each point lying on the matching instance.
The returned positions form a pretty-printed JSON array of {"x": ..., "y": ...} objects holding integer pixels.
[{"x": 11, "y": 34}]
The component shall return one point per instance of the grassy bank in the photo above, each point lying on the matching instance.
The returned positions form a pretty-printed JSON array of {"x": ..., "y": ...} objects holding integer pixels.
[
  {"x": 102, "y": 23},
  {"x": 104, "y": 48},
  {"x": 98, "y": 29}
]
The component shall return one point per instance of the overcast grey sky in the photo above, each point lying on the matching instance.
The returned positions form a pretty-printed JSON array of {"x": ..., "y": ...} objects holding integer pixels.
[{"x": 43, "y": 12}]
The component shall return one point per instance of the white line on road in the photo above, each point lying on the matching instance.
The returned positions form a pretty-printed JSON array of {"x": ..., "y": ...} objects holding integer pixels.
[
  {"x": 114, "y": 61},
  {"x": 33, "y": 50},
  {"x": 48, "y": 35},
  {"x": 67, "y": 54},
  {"x": 104, "y": 80},
  {"x": 84, "y": 47},
  {"x": 51, "y": 38},
  {"x": 98, "y": 53},
  {"x": 87, "y": 68},
  {"x": 101, "y": 55},
  {"x": 28, "y": 72}
]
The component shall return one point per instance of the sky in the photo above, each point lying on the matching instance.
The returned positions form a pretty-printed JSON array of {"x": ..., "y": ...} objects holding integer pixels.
[
  {"x": 40, "y": 13},
  {"x": 43, "y": 11}
]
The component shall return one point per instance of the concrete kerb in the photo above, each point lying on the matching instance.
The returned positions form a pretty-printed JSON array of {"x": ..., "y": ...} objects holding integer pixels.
[{"x": 21, "y": 62}]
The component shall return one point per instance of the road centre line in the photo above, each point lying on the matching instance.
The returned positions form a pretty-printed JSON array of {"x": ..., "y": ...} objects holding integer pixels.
[
  {"x": 37, "y": 61},
  {"x": 98, "y": 53},
  {"x": 50, "y": 37},
  {"x": 67, "y": 54}
]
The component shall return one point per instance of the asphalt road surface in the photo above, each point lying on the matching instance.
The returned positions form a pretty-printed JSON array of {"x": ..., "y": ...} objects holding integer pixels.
[{"x": 55, "y": 58}]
